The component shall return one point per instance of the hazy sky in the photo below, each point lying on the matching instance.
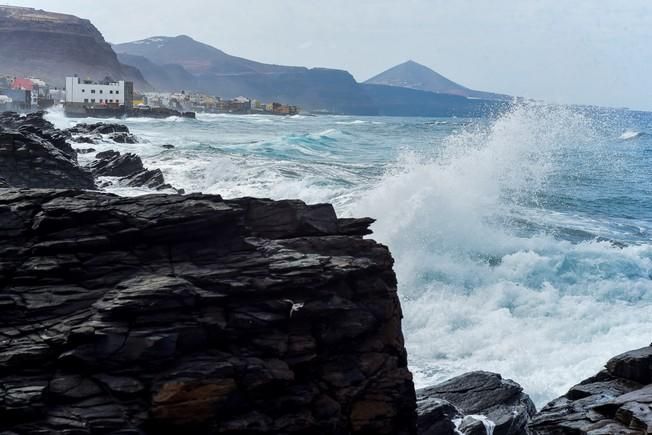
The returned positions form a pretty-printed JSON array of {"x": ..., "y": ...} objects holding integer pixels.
[{"x": 574, "y": 51}]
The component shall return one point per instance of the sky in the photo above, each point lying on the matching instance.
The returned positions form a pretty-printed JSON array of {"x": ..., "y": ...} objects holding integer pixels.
[{"x": 562, "y": 51}]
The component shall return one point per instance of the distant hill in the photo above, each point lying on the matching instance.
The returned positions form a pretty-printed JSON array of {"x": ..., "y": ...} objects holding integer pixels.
[
  {"x": 413, "y": 75},
  {"x": 52, "y": 46},
  {"x": 215, "y": 72}
]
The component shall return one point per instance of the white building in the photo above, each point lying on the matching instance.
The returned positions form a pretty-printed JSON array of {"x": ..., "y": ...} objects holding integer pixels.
[{"x": 110, "y": 93}]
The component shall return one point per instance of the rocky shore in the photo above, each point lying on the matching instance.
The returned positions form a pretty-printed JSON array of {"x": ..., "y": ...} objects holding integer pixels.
[{"x": 170, "y": 313}]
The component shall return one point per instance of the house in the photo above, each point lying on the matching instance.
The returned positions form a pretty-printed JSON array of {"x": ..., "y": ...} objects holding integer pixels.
[{"x": 84, "y": 95}]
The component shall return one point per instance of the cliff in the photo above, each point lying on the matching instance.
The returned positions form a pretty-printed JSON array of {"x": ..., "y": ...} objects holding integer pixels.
[
  {"x": 166, "y": 313},
  {"x": 52, "y": 46}
]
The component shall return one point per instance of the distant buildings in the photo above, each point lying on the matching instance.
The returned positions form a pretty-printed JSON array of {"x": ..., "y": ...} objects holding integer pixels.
[
  {"x": 209, "y": 104},
  {"x": 99, "y": 94}
]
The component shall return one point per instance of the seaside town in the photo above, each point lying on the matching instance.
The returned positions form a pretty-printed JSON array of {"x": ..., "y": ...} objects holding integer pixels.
[{"x": 105, "y": 98}]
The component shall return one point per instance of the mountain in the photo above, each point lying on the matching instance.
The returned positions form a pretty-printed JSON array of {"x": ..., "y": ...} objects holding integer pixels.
[
  {"x": 215, "y": 72},
  {"x": 52, "y": 46},
  {"x": 413, "y": 75}
]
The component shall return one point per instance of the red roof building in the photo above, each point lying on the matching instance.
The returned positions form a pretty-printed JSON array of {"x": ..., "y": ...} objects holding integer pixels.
[{"x": 22, "y": 83}]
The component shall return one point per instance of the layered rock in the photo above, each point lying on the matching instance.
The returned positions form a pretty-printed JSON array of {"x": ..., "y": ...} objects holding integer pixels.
[
  {"x": 35, "y": 154},
  {"x": 51, "y": 46},
  {"x": 479, "y": 401},
  {"x": 129, "y": 167},
  {"x": 618, "y": 400},
  {"x": 167, "y": 314}
]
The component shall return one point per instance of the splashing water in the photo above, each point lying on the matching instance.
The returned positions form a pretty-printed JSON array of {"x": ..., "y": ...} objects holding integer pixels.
[{"x": 522, "y": 243}]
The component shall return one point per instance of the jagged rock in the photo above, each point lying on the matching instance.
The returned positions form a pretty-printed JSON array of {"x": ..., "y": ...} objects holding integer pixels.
[
  {"x": 35, "y": 154},
  {"x": 98, "y": 128},
  {"x": 152, "y": 179},
  {"x": 123, "y": 138},
  {"x": 435, "y": 416},
  {"x": 36, "y": 124},
  {"x": 167, "y": 314},
  {"x": 501, "y": 401},
  {"x": 4, "y": 183},
  {"x": 82, "y": 139},
  {"x": 113, "y": 164},
  {"x": 617, "y": 400},
  {"x": 86, "y": 150},
  {"x": 168, "y": 146}
]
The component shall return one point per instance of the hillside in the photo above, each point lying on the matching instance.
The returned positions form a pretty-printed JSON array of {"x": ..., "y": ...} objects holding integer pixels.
[
  {"x": 52, "y": 46},
  {"x": 173, "y": 63},
  {"x": 413, "y": 75}
]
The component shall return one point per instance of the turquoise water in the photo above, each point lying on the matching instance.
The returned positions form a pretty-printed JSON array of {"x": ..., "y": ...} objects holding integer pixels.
[{"x": 522, "y": 242}]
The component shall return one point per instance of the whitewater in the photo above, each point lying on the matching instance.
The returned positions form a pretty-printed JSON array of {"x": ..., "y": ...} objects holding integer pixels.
[{"x": 522, "y": 240}]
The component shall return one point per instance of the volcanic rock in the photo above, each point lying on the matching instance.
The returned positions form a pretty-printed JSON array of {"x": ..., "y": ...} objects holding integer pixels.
[
  {"x": 123, "y": 138},
  {"x": 98, "y": 128},
  {"x": 113, "y": 164},
  {"x": 501, "y": 401},
  {"x": 617, "y": 400},
  {"x": 35, "y": 154},
  {"x": 152, "y": 179},
  {"x": 168, "y": 314}
]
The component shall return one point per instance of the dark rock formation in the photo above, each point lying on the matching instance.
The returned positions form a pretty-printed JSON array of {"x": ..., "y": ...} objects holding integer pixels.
[
  {"x": 52, "y": 46},
  {"x": 82, "y": 139},
  {"x": 501, "y": 401},
  {"x": 152, "y": 179},
  {"x": 98, "y": 128},
  {"x": 35, "y": 154},
  {"x": 113, "y": 164},
  {"x": 123, "y": 138},
  {"x": 617, "y": 400},
  {"x": 168, "y": 146},
  {"x": 169, "y": 314},
  {"x": 86, "y": 150}
]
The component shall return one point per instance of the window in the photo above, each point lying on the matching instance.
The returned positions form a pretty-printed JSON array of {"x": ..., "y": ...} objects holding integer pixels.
[
  {"x": 101, "y": 100},
  {"x": 110, "y": 92},
  {"x": 85, "y": 100},
  {"x": 92, "y": 91},
  {"x": 101, "y": 91},
  {"x": 117, "y": 92},
  {"x": 83, "y": 90},
  {"x": 92, "y": 100}
]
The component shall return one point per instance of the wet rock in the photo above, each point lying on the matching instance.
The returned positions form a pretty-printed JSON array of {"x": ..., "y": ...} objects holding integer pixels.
[
  {"x": 4, "y": 183},
  {"x": 113, "y": 164},
  {"x": 82, "y": 139},
  {"x": 34, "y": 154},
  {"x": 98, "y": 128},
  {"x": 167, "y": 146},
  {"x": 123, "y": 137},
  {"x": 152, "y": 179},
  {"x": 435, "y": 416},
  {"x": 167, "y": 314},
  {"x": 501, "y": 401},
  {"x": 617, "y": 400},
  {"x": 86, "y": 150}
]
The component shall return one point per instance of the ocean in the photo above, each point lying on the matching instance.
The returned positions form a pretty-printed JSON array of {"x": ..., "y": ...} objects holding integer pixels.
[{"x": 522, "y": 241}]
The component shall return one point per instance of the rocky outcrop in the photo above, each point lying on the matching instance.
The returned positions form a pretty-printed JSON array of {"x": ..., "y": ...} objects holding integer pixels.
[
  {"x": 51, "y": 46},
  {"x": 113, "y": 164},
  {"x": 479, "y": 401},
  {"x": 35, "y": 154},
  {"x": 98, "y": 128},
  {"x": 618, "y": 400},
  {"x": 130, "y": 168},
  {"x": 169, "y": 314}
]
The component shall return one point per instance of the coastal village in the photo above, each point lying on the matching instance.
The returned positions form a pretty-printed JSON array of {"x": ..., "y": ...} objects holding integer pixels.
[{"x": 117, "y": 98}]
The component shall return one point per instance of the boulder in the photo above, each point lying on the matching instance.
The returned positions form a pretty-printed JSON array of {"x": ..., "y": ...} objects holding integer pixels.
[
  {"x": 481, "y": 400},
  {"x": 168, "y": 314},
  {"x": 113, "y": 164},
  {"x": 618, "y": 400},
  {"x": 123, "y": 137},
  {"x": 98, "y": 128},
  {"x": 151, "y": 179}
]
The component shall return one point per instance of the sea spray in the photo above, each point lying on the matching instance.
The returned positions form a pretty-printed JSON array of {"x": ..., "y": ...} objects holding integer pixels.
[
  {"x": 483, "y": 286},
  {"x": 521, "y": 242}
]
